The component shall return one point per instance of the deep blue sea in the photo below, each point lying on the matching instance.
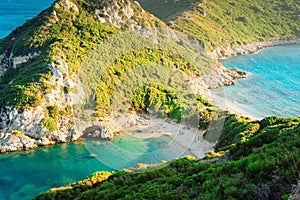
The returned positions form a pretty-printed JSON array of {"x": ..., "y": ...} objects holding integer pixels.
[
  {"x": 271, "y": 89},
  {"x": 14, "y": 13}
]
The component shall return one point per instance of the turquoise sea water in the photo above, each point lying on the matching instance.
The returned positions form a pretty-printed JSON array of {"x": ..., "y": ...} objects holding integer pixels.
[
  {"x": 273, "y": 87},
  {"x": 25, "y": 174}
]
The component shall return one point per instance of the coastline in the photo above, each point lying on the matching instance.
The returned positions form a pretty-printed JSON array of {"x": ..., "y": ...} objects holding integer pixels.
[
  {"x": 253, "y": 47},
  {"x": 14, "y": 143},
  {"x": 219, "y": 100},
  {"x": 230, "y": 51},
  {"x": 182, "y": 140}
]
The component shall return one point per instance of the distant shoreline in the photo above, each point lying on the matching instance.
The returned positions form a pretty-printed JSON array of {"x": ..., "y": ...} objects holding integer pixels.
[
  {"x": 230, "y": 51},
  {"x": 253, "y": 47}
]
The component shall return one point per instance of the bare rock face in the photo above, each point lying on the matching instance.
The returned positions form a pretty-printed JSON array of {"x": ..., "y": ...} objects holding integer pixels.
[
  {"x": 16, "y": 142},
  {"x": 221, "y": 76},
  {"x": 118, "y": 13},
  {"x": 29, "y": 121},
  {"x": 126, "y": 13},
  {"x": 67, "y": 5}
]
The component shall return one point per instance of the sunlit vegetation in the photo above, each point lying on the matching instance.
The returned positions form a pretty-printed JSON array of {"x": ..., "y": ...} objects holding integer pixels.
[
  {"x": 49, "y": 124},
  {"x": 65, "y": 35},
  {"x": 141, "y": 59},
  {"x": 158, "y": 98},
  {"x": 265, "y": 164},
  {"x": 223, "y": 23}
]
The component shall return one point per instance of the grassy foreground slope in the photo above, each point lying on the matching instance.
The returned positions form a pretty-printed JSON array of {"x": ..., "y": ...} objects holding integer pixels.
[
  {"x": 263, "y": 163},
  {"x": 222, "y": 23}
]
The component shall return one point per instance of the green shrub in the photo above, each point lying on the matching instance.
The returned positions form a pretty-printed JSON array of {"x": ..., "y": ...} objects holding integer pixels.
[
  {"x": 17, "y": 132},
  {"x": 53, "y": 111},
  {"x": 159, "y": 98},
  {"x": 49, "y": 124}
]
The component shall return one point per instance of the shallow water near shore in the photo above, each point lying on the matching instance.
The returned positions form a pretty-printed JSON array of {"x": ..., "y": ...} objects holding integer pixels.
[
  {"x": 273, "y": 86},
  {"x": 23, "y": 175}
]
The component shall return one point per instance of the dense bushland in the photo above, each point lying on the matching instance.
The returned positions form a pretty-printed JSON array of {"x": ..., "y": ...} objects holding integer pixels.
[{"x": 260, "y": 162}]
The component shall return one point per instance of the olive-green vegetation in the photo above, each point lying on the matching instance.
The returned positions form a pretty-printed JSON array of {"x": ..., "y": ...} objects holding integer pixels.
[
  {"x": 62, "y": 33},
  {"x": 169, "y": 103},
  {"x": 221, "y": 23},
  {"x": 153, "y": 79},
  {"x": 158, "y": 98},
  {"x": 52, "y": 116},
  {"x": 262, "y": 162},
  {"x": 56, "y": 33},
  {"x": 49, "y": 124},
  {"x": 140, "y": 58}
]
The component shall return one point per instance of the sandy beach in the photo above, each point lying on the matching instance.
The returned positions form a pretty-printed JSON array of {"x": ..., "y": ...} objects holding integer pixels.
[{"x": 181, "y": 139}]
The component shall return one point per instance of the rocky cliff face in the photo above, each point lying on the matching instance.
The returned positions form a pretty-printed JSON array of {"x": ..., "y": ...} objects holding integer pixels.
[
  {"x": 52, "y": 120},
  {"x": 23, "y": 128},
  {"x": 30, "y": 123}
]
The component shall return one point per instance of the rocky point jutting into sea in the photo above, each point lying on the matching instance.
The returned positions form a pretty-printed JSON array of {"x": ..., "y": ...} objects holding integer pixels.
[
  {"x": 40, "y": 111},
  {"x": 92, "y": 67}
]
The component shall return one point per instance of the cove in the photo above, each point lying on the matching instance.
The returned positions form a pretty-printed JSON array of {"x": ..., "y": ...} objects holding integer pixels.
[
  {"x": 273, "y": 86},
  {"x": 23, "y": 175}
]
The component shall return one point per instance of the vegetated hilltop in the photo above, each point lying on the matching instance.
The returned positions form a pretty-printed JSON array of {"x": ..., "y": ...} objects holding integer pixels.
[
  {"x": 63, "y": 54},
  {"x": 224, "y": 26},
  {"x": 40, "y": 62},
  {"x": 253, "y": 160},
  {"x": 64, "y": 68}
]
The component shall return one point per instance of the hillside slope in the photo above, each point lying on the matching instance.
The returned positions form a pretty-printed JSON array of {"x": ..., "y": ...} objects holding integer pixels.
[
  {"x": 226, "y": 25},
  {"x": 261, "y": 161},
  {"x": 40, "y": 63},
  {"x": 60, "y": 72}
]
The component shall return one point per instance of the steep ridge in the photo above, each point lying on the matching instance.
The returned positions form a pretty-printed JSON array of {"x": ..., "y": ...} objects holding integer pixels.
[
  {"x": 228, "y": 28},
  {"x": 246, "y": 149},
  {"x": 39, "y": 67},
  {"x": 57, "y": 70}
]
